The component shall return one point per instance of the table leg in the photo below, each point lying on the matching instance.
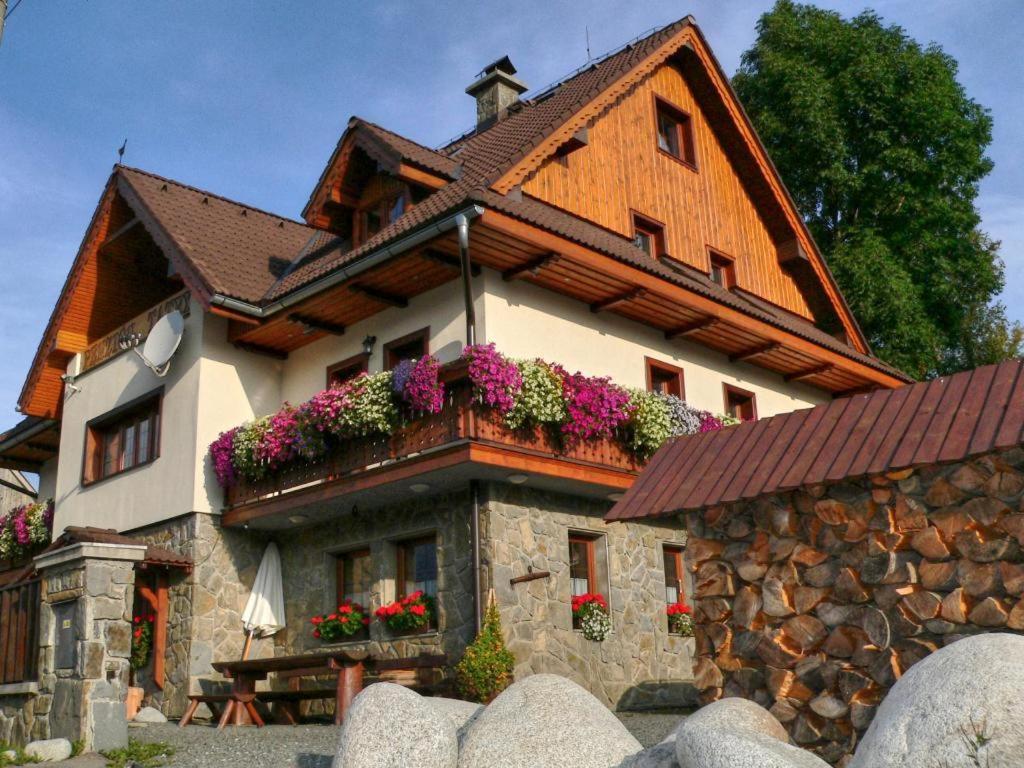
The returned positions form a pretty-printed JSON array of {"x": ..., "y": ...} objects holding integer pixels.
[
  {"x": 242, "y": 686},
  {"x": 350, "y": 683}
]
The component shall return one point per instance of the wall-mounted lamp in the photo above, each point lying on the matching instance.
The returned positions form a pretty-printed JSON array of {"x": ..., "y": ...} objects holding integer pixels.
[{"x": 368, "y": 344}]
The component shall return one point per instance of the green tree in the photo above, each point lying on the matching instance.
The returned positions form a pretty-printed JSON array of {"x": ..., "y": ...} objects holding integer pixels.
[
  {"x": 883, "y": 152},
  {"x": 486, "y": 667}
]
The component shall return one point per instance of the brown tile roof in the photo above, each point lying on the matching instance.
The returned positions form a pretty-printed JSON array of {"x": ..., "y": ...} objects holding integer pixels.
[
  {"x": 940, "y": 421},
  {"x": 89, "y": 535},
  {"x": 238, "y": 250}
]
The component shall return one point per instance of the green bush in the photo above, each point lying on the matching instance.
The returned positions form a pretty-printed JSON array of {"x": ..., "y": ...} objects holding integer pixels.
[
  {"x": 139, "y": 755},
  {"x": 486, "y": 668}
]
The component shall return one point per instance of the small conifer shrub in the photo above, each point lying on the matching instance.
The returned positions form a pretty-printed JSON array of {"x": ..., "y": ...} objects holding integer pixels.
[{"x": 486, "y": 667}]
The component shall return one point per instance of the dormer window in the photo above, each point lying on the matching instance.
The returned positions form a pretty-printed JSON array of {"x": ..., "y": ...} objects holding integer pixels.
[
  {"x": 723, "y": 270},
  {"x": 675, "y": 132},
  {"x": 648, "y": 236}
]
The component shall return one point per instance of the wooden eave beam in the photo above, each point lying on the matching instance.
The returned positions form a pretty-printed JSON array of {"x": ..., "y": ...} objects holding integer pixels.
[
  {"x": 448, "y": 261},
  {"x": 589, "y": 259},
  {"x": 614, "y": 301},
  {"x": 697, "y": 325},
  {"x": 382, "y": 296},
  {"x": 336, "y": 196},
  {"x": 336, "y": 329},
  {"x": 808, "y": 373},
  {"x": 71, "y": 342},
  {"x": 259, "y": 349},
  {"x": 533, "y": 265},
  {"x": 750, "y": 354},
  {"x": 415, "y": 175},
  {"x": 20, "y": 465}
]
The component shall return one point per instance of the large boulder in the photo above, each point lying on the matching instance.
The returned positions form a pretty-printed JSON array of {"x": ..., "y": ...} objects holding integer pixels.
[
  {"x": 737, "y": 733},
  {"x": 460, "y": 713},
  {"x": 546, "y": 721},
  {"x": 736, "y": 714},
  {"x": 49, "y": 750},
  {"x": 149, "y": 715},
  {"x": 960, "y": 706},
  {"x": 389, "y": 726},
  {"x": 731, "y": 748},
  {"x": 662, "y": 755}
]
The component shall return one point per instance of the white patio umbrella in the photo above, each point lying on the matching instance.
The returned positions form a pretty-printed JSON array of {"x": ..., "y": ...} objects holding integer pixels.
[{"x": 264, "y": 611}]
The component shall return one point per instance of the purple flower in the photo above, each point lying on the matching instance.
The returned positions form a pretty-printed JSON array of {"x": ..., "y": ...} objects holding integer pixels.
[
  {"x": 222, "y": 451},
  {"x": 709, "y": 422},
  {"x": 496, "y": 379},
  {"x": 420, "y": 386},
  {"x": 21, "y": 532},
  {"x": 595, "y": 405}
]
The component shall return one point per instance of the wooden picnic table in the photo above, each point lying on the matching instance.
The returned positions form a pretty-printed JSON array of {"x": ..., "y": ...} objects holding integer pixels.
[{"x": 348, "y": 664}]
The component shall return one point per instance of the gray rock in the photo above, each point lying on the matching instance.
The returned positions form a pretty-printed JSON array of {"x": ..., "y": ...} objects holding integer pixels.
[
  {"x": 735, "y": 714},
  {"x": 49, "y": 750},
  {"x": 546, "y": 721},
  {"x": 724, "y": 747},
  {"x": 9, "y": 755},
  {"x": 661, "y": 755},
  {"x": 460, "y": 713},
  {"x": 149, "y": 715},
  {"x": 389, "y": 726},
  {"x": 959, "y": 706}
]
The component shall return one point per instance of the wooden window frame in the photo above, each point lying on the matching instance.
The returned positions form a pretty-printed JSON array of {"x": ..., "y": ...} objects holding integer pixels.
[
  {"x": 653, "y": 229},
  {"x": 401, "y": 341},
  {"x": 685, "y": 139},
  {"x": 362, "y": 361},
  {"x": 96, "y": 428},
  {"x": 593, "y": 587},
  {"x": 725, "y": 263},
  {"x": 651, "y": 365},
  {"x": 400, "y": 550},
  {"x": 339, "y": 570},
  {"x": 729, "y": 389}
]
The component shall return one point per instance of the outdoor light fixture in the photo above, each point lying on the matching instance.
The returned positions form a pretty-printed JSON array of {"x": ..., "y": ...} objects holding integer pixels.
[
  {"x": 298, "y": 519},
  {"x": 419, "y": 487},
  {"x": 518, "y": 479},
  {"x": 614, "y": 496},
  {"x": 368, "y": 343}
]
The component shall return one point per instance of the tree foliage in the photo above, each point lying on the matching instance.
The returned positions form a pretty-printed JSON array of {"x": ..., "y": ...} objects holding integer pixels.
[
  {"x": 487, "y": 667},
  {"x": 883, "y": 152}
]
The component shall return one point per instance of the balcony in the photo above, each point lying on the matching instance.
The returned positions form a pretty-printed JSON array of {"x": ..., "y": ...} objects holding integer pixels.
[{"x": 460, "y": 442}]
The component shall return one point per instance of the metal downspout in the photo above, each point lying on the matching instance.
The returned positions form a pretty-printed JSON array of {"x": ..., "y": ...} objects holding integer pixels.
[
  {"x": 462, "y": 222},
  {"x": 474, "y": 523}
]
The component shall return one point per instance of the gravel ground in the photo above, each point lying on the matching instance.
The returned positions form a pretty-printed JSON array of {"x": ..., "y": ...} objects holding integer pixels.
[{"x": 311, "y": 746}]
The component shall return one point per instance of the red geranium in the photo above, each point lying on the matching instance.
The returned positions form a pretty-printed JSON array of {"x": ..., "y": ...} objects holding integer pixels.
[
  {"x": 350, "y": 618},
  {"x": 408, "y": 614},
  {"x": 680, "y": 620}
]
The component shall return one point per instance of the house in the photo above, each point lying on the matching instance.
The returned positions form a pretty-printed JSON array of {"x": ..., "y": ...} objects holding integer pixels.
[
  {"x": 833, "y": 547},
  {"x": 15, "y": 489},
  {"x": 624, "y": 222}
]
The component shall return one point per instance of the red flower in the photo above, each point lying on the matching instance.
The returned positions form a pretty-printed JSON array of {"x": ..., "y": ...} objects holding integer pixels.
[
  {"x": 138, "y": 633},
  {"x": 366, "y": 620},
  {"x": 317, "y": 621},
  {"x": 316, "y": 633},
  {"x": 417, "y": 610},
  {"x": 344, "y": 619},
  {"x": 332, "y": 617},
  {"x": 346, "y": 608},
  {"x": 137, "y": 619}
]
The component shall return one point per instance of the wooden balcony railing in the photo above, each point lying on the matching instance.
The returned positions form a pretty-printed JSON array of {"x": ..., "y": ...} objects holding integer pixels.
[{"x": 459, "y": 420}]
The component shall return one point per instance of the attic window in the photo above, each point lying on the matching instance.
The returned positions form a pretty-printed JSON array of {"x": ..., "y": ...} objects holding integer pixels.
[
  {"x": 675, "y": 132},
  {"x": 740, "y": 404},
  {"x": 648, "y": 235},
  {"x": 723, "y": 270}
]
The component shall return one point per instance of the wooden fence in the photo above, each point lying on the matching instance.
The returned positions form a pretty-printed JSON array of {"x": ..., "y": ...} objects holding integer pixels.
[{"x": 19, "y": 632}]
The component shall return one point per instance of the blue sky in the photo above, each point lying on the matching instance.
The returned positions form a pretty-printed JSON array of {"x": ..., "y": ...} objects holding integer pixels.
[{"x": 248, "y": 99}]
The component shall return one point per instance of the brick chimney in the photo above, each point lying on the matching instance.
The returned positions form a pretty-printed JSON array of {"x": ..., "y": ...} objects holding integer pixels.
[{"x": 495, "y": 90}]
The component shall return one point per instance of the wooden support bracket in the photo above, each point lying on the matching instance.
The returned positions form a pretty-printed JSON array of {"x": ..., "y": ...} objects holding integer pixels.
[
  {"x": 532, "y": 575},
  {"x": 531, "y": 266},
  {"x": 317, "y": 325},
  {"x": 808, "y": 373},
  {"x": 382, "y": 296},
  {"x": 750, "y": 354},
  {"x": 613, "y": 301},
  {"x": 697, "y": 325},
  {"x": 449, "y": 261}
]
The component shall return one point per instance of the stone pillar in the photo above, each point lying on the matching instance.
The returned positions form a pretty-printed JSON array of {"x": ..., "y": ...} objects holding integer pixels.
[{"x": 85, "y": 640}]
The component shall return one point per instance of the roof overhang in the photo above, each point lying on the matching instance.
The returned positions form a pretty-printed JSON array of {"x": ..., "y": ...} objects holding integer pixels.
[{"x": 30, "y": 444}]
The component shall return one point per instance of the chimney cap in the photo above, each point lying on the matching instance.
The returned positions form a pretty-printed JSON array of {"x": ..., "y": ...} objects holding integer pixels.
[{"x": 504, "y": 64}]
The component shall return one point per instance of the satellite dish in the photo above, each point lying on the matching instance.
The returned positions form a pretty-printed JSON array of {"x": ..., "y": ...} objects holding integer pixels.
[{"x": 162, "y": 342}]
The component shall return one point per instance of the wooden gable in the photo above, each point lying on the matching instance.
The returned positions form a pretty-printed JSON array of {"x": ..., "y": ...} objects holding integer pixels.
[
  {"x": 118, "y": 273},
  {"x": 622, "y": 174}
]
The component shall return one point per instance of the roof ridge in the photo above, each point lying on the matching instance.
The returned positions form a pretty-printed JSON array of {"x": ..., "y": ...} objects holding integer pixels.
[
  {"x": 396, "y": 134},
  {"x": 208, "y": 193}
]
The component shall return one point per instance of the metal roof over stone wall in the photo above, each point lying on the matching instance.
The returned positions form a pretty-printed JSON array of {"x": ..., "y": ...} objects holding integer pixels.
[{"x": 940, "y": 421}]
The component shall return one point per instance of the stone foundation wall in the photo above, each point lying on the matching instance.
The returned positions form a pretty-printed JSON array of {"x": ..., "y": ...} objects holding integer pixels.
[
  {"x": 814, "y": 602},
  {"x": 204, "y": 607},
  {"x": 307, "y": 558},
  {"x": 23, "y": 715},
  {"x": 640, "y": 664}
]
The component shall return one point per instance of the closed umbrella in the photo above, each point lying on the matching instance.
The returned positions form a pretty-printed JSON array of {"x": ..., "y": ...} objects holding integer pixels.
[{"x": 264, "y": 611}]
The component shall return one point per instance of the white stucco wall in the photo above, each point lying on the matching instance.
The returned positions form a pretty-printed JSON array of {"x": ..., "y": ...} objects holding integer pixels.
[
  {"x": 305, "y": 371},
  {"x": 524, "y": 321},
  {"x": 48, "y": 479},
  {"x": 149, "y": 493}
]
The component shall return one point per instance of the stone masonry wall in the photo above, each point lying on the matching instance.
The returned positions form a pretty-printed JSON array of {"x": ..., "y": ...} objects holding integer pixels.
[
  {"x": 204, "y": 607},
  {"x": 307, "y": 559},
  {"x": 640, "y": 664},
  {"x": 814, "y": 602}
]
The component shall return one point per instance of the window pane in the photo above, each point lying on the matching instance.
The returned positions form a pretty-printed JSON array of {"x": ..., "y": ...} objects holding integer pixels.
[
  {"x": 579, "y": 567},
  {"x": 372, "y": 223},
  {"x": 642, "y": 240},
  {"x": 110, "y": 452},
  {"x": 397, "y": 209},
  {"x": 673, "y": 579},
  {"x": 668, "y": 134},
  {"x": 356, "y": 578},
  {"x": 421, "y": 568},
  {"x": 143, "y": 452},
  {"x": 128, "y": 452}
]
